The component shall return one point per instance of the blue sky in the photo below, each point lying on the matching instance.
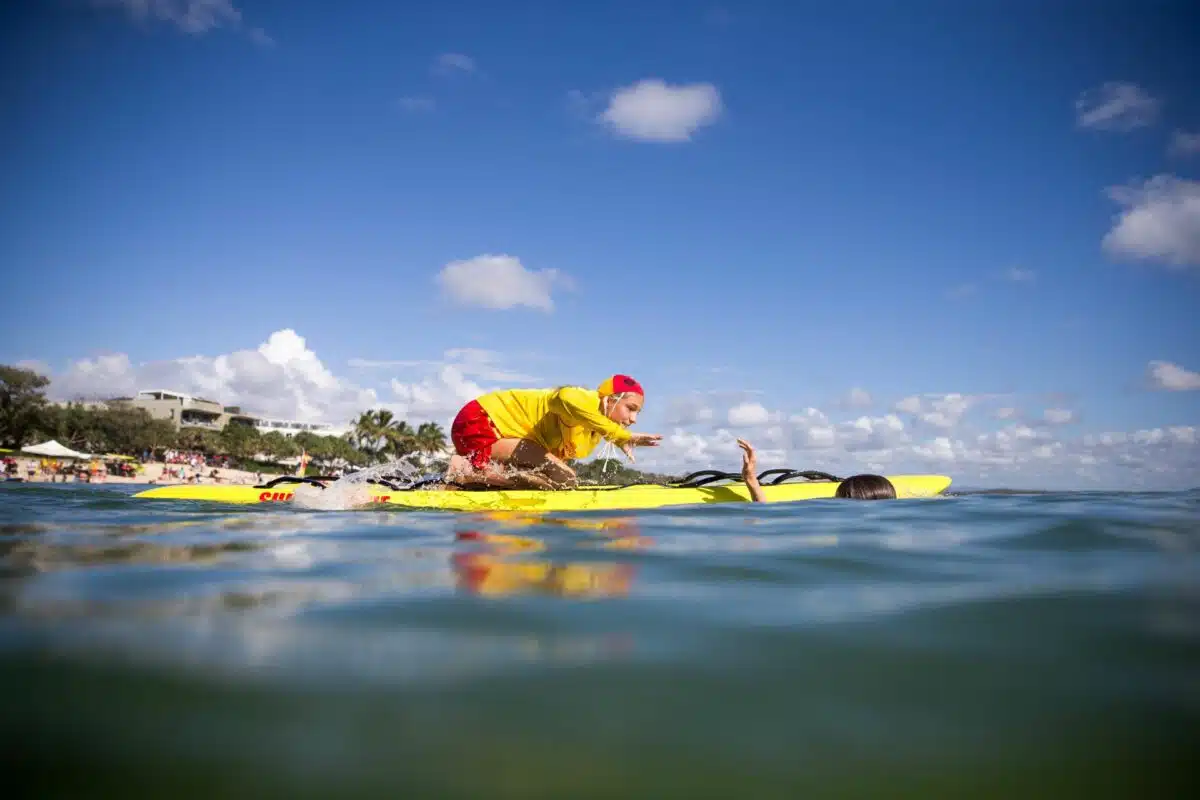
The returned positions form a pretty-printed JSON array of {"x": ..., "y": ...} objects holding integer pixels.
[{"x": 757, "y": 204}]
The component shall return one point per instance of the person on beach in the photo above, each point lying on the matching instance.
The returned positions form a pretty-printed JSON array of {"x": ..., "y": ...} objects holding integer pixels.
[
  {"x": 856, "y": 487},
  {"x": 522, "y": 438}
]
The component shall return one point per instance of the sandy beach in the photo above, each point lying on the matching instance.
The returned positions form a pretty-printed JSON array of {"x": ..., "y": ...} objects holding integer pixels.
[{"x": 152, "y": 473}]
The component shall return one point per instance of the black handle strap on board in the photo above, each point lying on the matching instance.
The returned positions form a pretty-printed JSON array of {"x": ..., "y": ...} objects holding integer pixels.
[
  {"x": 777, "y": 476},
  {"x": 288, "y": 479},
  {"x": 321, "y": 480},
  {"x": 703, "y": 478},
  {"x": 783, "y": 476}
]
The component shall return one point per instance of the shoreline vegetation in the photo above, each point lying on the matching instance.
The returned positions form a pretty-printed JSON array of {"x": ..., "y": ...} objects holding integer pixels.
[{"x": 115, "y": 428}]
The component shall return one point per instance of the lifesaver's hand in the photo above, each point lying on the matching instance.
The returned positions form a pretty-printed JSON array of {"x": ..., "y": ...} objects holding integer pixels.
[
  {"x": 645, "y": 439},
  {"x": 640, "y": 440}
]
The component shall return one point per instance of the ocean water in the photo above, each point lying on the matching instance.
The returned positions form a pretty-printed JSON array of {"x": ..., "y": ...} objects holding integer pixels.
[{"x": 965, "y": 646}]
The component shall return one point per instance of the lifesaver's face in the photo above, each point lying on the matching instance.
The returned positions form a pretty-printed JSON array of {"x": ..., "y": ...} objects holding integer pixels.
[{"x": 624, "y": 409}]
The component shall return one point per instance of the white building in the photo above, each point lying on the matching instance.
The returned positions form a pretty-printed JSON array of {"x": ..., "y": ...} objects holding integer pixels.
[
  {"x": 290, "y": 427},
  {"x": 185, "y": 411}
]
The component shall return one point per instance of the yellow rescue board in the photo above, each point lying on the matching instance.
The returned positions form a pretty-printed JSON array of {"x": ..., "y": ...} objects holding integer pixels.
[{"x": 586, "y": 499}]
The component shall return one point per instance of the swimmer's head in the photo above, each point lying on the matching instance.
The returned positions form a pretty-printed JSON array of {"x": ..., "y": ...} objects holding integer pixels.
[{"x": 866, "y": 487}]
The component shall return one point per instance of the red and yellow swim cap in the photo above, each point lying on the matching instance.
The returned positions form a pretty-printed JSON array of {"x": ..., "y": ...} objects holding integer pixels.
[{"x": 620, "y": 384}]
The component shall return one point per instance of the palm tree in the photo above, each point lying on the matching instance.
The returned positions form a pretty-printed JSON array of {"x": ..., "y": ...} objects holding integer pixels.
[
  {"x": 370, "y": 432},
  {"x": 378, "y": 433},
  {"x": 363, "y": 432},
  {"x": 401, "y": 438},
  {"x": 431, "y": 439}
]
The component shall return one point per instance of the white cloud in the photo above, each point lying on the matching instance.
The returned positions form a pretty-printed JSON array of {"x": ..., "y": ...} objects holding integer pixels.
[
  {"x": 748, "y": 414},
  {"x": 96, "y": 378},
  {"x": 816, "y": 437},
  {"x": 857, "y": 398},
  {"x": 194, "y": 17},
  {"x": 1164, "y": 375},
  {"x": 654, "y": 111},
  {"x": 1161, "y": 221},
  {"x": 33, "y": 365},
  {"x": 281, "y": 378},
  {"x": 415, "y": 104},
  {"x": 1184, "y": 144},
  {"x": 1116, "y": 106},
  {"x": 437, "y": 398},
  {"x": 1017, "y": 455},
  {"x": 940, "y": 449},
  {"x": 453, "y": 63},
  {"x": 1019, "y": 275},
  {"x": 945, "y": 411},
  {"x": 910, "y": 405},
  {"x": 499, "y": 282},
  {"x": 1005, "y": 413},
  {"x": 684, "y": 448},
  {"x": 809, "y": 416},
  {"x": 287, "y": 350},
  {"x": 1171, "y": 448},
  {"x": 1058, "y": 416},
  {"x": 812, "y": 430},
  {"x": 872, "y": 433}
]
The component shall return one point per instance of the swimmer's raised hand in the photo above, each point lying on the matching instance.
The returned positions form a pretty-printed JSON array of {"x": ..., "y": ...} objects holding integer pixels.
[{"x": 750, "y": 471}]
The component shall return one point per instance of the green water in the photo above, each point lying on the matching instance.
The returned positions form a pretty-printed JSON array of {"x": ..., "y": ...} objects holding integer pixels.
[{"x": 979, "y": 646}]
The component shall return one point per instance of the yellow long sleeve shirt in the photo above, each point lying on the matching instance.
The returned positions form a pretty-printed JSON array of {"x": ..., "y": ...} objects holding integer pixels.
[{"x": 566, "y": 421}]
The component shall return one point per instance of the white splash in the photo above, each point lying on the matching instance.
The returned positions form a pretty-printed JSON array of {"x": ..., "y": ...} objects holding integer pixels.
[
  {"x": 354, "y": 490},
  {"x": 335, "y": 497}
]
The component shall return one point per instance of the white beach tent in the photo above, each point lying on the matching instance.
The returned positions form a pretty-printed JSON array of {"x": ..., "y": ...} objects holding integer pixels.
[{"x": 52, "y": 449}]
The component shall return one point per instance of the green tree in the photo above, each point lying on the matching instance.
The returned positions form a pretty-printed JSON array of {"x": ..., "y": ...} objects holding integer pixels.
[
  {"x": 128, "y": 430},
  {"x": 348, "y": 452},
  {"x": 610, "y": 471},
  {"x": 200, "y": 440},
  {"x": 378, "y": 433},
  {"x": 159, "y": 434},
  {"x": 431, "y": 439},
  {"x": 277, "y": 447},
  {"x": 366, "y": 434},
  {"x": 22, "y": 400},
  {"x": 327, "y": 451},
  {"x": 401, "y": 439},
  {"x": 73, "y": 425},
  {"x": 240, "y": 441},
  {"x": 315, "y": 446}
]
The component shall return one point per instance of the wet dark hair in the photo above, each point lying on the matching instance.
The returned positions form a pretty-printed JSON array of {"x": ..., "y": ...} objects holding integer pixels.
[{"x": 866, "y": 487}]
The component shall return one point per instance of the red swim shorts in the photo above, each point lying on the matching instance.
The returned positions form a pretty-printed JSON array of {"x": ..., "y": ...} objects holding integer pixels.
[{"x": 473, "y": 434}]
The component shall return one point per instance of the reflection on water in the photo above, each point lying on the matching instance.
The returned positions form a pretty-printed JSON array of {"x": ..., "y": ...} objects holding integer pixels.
[
  {"x": 974, "y": 646},
  {"x": 503, "y": 567}
]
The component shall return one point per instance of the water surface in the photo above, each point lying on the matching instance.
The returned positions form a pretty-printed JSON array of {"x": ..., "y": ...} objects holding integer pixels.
[{"x": 981, "y": 646}]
